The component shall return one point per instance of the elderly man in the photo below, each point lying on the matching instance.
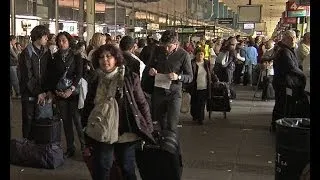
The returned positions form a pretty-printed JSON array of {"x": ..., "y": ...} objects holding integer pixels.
[{"x": 286, "y": 75}]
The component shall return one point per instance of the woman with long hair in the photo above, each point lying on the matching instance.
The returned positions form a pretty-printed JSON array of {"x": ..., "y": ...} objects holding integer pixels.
[{"x": 65, "y": 60}]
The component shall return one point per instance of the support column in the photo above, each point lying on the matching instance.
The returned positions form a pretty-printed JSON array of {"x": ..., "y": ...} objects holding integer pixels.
[
  {"x": 225, "y": 11},
  {"x": 90, "y": 10},
  {"x": 235, "y": 21},
  {"x": 230, "y": 14},
  {"x": 133, "y": 15},
  {"x": 221, "y": 10},
  {"x": 80, "y": 20},
  {"x": 215, "y": 8},
  {"x": 115, "y": 18},
  {"x": 56, "y": 16},
  {"x": 34, "y": 7},
  {"x": 13, "y": 16}
]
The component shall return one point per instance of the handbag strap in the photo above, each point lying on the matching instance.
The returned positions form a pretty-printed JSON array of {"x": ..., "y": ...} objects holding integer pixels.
[{"x": 68, "y": 66}]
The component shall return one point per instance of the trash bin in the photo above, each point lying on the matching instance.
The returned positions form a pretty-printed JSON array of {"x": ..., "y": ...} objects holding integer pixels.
[{"x": 292, "y": 147}]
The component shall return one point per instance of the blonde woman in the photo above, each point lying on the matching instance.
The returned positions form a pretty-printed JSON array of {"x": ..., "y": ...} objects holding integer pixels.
[{"x": 98, "y": 39}]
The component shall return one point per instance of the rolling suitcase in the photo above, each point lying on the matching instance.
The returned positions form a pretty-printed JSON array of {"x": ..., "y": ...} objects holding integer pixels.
[
  {"x": 160, "y": 161},
  {"x": 45, "y": 131},
  {"x": 220, "y": 99}
]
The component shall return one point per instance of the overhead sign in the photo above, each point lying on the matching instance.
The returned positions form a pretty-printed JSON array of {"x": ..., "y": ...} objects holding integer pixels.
[
  {"x": 186, "y": 30},
  {"x": 248, "y": 26},
  {"x": 153, "y": 26},
  {"x": 297, "y": 13},
  {"x": 307, "y": 8},
  {"x": 303, "y": 2},
  {"x": 291, "y": 6},
  {"x": 259, "y": 33},
  {"x": 225, "y": 21},
  {"x": 289, "y": 20}
]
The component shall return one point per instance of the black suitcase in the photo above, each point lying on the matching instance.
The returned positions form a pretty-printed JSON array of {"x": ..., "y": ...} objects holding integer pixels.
[
  {"x": 45, "y": 131},
  {"x": 160, "y": 161},
  {"x": 26, "y": 153},
  {"x": 220, "y": 98}
]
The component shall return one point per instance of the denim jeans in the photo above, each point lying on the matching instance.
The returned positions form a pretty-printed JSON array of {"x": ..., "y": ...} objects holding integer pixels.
[
  {"x": 14, "y": 81},
  {"x": 251, "y": 68},
  {"x": 103, "y": 156},
  {"x": 166, "y": 106}
]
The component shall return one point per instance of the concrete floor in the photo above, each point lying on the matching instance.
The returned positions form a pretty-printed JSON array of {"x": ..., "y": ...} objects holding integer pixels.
[{"x": 237, "y": 148}]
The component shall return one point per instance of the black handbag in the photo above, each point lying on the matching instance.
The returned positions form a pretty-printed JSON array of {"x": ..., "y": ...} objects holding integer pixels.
[{"x": 65, "y": 83}]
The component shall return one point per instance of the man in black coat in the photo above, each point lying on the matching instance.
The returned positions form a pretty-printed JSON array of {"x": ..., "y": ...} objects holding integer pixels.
[
  {"x": 286, "y": 75},
  {"x": 34, "y": 87},
  {"x": 131, "y": 60}
]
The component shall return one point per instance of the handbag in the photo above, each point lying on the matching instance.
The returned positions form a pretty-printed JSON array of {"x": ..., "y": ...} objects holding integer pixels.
[
  {"x": 65, "y": 83},
  {"x": 44, "y": 111}
]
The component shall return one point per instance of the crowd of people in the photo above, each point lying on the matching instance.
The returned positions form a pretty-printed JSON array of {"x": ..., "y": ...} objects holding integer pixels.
[{"x": 145, "y": 79}]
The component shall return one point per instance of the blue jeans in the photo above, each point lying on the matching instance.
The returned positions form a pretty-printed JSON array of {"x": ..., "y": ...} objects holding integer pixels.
[
  {"x": 14, "y": 81},
  {"x": 103, "y": 159},
  {"x": 251, "y": 68}
]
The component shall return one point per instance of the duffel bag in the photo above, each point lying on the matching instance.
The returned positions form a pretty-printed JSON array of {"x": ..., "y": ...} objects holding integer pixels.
[{"x": 26, "y": 153}]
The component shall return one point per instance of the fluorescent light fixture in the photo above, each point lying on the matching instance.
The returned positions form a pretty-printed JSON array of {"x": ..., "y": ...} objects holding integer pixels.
[{"x": 28, "y": 17}]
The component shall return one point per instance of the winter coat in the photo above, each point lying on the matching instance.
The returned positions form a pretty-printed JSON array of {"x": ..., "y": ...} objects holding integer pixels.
[
  {"x": 286, "y": 69},
  {"x": 135, "y": 103},
  {"x": 211, "y": 78},
  {"x": 33, "y": 68}
]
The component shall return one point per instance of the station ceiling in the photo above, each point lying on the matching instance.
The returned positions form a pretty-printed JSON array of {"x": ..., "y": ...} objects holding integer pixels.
[{"x": 271, "y": 10}]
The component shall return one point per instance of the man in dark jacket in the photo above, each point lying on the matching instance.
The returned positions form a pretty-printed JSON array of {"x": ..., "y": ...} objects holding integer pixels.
[
  {"x": 286, "y": 75},
  {"x": 152, "y": 43},
  {"x": 171, "y": 66},
  {"x": 131, "y": 60},
  {"x": 34, "y": 89}
]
